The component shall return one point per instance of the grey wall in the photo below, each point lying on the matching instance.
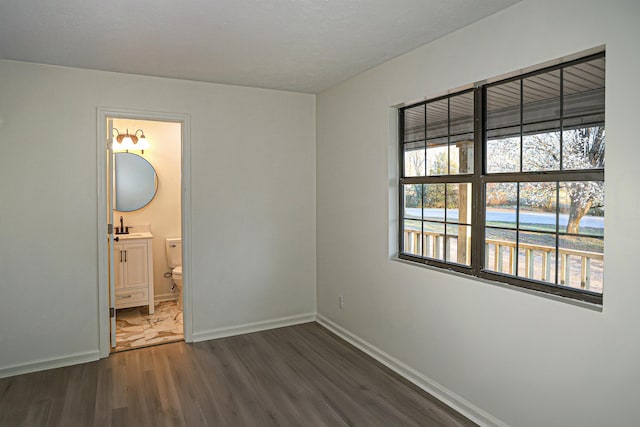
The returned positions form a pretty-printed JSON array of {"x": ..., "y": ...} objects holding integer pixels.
[
  {"x": 252, "y": 191},
  {"x": 525, "y": 359}
]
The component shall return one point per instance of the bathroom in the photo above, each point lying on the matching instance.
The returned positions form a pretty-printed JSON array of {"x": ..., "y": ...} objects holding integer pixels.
[{"x": 147, "y": 225}]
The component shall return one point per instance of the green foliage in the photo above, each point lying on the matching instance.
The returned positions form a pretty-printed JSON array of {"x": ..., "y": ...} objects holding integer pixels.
[{"x": 413, "y": 196}]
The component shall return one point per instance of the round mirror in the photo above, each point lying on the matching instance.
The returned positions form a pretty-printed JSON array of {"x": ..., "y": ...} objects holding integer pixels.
[{"x": 136, "y": 182}]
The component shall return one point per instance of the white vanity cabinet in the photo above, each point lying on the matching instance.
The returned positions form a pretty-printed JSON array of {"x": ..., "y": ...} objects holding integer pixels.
[{"x": 133, "y": 275}]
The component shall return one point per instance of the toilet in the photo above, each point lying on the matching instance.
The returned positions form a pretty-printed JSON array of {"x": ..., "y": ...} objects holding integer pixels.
[{"x": 173, "y": 248}]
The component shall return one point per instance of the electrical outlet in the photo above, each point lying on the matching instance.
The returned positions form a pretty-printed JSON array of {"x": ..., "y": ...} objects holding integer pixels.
[{"x": 340, "y": 302}]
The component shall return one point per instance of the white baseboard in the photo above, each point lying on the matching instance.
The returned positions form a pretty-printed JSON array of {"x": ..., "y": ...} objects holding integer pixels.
[
  {"x": 165, "y": 297},
  {"x": 44, "y": 364},
  {"x": 432, "y": 387},
  {"x": 253, "y": 327}
]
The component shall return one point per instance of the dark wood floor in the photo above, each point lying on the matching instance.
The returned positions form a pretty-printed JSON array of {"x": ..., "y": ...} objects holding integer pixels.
[{"x": 297, "y": 376}]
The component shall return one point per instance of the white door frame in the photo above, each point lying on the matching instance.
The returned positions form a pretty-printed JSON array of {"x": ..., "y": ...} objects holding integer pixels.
[{"x": 103, "y": 265}]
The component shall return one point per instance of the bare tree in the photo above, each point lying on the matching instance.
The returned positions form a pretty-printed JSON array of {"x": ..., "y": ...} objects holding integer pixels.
[{"x": 582, "y": 148}]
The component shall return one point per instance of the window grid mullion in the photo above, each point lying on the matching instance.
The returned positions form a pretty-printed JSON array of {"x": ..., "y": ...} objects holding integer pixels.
[
  {"x": 446, "y": 187},
  {"x": 561, "y": 118},
  {"x": 426, "y": 141},
  {"x": 562, "y": 169},
  {"x": 478, "y": 190},
  {"x": 517, "y": 254},
  {"x": 521, "y": 125},
  {"x": 572, "y": 175},
  {"x": 444, "y": 243},
  {"x": 422, "y": 186},
  {"x": 422, "y": 248},
  {"x": 437, "y": 179},
  {"x": 557, "y": 229},
  {"x": 401, "y": 247}
]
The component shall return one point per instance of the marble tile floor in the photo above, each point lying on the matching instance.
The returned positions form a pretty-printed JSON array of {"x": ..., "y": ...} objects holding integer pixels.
[{"x": 135, "y": 327}]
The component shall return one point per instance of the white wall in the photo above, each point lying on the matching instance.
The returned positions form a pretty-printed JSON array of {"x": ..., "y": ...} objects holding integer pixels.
[
  {"x": 162, "y": 213},
  {"x": 525, "y": 359},
  {"x": 252, "y": 190}
]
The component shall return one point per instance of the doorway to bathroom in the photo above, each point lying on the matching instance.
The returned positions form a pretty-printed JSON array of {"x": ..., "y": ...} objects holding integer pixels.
[{"x": 144, "y": 230}]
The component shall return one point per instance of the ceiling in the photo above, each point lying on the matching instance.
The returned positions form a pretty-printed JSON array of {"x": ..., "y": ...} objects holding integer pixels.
[{"x": 297, "y": 45}]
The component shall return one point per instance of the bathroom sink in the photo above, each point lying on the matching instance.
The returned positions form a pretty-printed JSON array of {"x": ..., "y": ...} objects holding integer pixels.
[{"x": 142, "y": 235}]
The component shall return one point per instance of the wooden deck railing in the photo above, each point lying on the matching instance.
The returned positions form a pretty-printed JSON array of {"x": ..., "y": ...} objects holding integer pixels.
[{"x": 500, "y": 256}]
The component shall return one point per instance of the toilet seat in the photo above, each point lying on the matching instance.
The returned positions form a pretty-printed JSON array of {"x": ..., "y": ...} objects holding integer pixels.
[{"x": 177, "y": 271}]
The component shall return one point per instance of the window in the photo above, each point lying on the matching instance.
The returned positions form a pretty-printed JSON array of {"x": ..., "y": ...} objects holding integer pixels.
[
  {"x": 438, "y": 170},
  {"x": 506, "y": 181}
]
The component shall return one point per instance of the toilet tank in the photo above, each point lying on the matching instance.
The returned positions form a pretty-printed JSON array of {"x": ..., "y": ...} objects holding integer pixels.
[{"x": 173, "y": 246}]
